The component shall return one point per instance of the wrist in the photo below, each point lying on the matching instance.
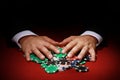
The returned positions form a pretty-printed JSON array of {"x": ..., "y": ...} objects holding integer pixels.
[
  {"x": 95, "y": 35},
  {"x": 16, "y": 38},
  {"x": 21, "y": 40}
]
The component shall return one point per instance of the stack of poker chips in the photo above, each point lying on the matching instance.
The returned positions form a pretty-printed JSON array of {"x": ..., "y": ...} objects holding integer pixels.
[{"x": 59, "y": 62}]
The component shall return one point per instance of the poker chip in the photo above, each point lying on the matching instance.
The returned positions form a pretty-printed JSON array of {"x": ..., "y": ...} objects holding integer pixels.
[
  {"x": 63, "y": 61},
  {"x": 51, "y": 62},
  {"x": 60, "y": 49},
  {"x": 60, "y": 55},
  {"x": 34, "y": 58},
  {"x": 51, "y": 68},
  {"x": 82, "y": 62},
  {"x": 87, "y": 58},
  {"x": 44, "y": 65},
  {"x": 59, "y": 62},
  {"x": 73, "y": 63},
  {"x": 63, "y": 67},
  {"x": 81, "y": 68}
]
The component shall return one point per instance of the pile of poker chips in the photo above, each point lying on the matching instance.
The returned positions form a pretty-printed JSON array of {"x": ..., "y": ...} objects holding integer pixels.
[{"x": 59, "y": 62}]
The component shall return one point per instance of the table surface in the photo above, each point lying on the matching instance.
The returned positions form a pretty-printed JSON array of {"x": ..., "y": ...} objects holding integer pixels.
[{"x": 13, "y": 66}]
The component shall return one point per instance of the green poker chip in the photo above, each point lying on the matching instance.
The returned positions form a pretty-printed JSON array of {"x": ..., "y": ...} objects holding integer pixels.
[
  {"x": 60, "y": 49},
  {"x": 51, "y": 68},
  {"x": 38, "y": 60},
  {"x": 34, "y": 58},
  {"x": 44, "y": 65},
  {"x": 82, "y": 62},
  {"x": 60, "y": 55}
]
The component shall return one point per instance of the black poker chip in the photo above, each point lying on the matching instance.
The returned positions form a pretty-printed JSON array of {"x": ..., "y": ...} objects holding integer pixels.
[
  {"x": 87, "y": 58},
  {"x": 81, "y": 68}
]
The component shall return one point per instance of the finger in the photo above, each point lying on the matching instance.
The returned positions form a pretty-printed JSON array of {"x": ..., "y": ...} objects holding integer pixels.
[
  {"x": 51, "y": 40},
  {"x": 46, "y": 52},
  {"x": 51, "y": 47},
  {"x": 74, "y": 51},
  {"x": 83, "y": 52},
  {"x": 68, "y": 46},
  {"x": 27, "y": 54},
  {"x": 38, "y": 53},
  {"x": 92, "y": 53},
  {"x": 65, "y": 41}
]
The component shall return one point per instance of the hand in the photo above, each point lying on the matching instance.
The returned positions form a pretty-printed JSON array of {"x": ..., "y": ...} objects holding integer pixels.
[
  {"x": 84, "y": 44},
  {"x": 40, "y": 45}
]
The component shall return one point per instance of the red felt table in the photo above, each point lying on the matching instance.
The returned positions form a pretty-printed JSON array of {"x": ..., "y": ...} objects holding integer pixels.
[{"x": 13, "y": 66}]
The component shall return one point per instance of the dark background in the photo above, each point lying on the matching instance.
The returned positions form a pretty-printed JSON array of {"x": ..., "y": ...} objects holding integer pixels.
[{"x": 111, "y": 8}]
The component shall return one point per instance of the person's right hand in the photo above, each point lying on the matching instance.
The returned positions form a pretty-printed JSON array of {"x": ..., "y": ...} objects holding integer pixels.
[{"x": 39, "y": 45}]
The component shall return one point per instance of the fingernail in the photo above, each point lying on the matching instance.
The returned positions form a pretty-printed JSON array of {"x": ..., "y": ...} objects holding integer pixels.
[
  {"x": 69, "y": 55},
  {"x": 92, "y": 60},
  {"x": 42, "y": 57},
  {"x": 58, "y": 51},
  {"x": 63, "y": 51},
  {"x": 28, "y": 59},
  {"x": 50, "y": 56}
]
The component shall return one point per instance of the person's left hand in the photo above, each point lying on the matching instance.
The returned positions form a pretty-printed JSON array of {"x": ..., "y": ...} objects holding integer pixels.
[{"x": 84, "y": 44}]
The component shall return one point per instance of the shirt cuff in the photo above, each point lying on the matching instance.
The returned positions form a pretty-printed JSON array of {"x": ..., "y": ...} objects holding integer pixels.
[
  {"x": 94, "y": 34},
  {"x": 21, "y": 34}
]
